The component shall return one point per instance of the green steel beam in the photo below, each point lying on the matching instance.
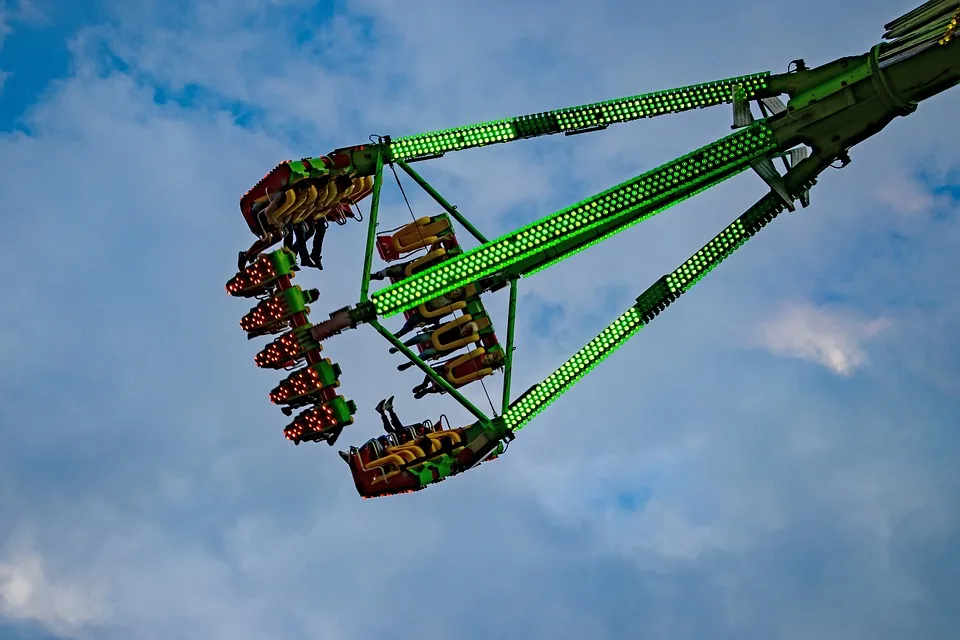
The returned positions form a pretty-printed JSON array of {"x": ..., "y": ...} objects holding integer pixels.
[
  {"x": 576, "y": 119},
  {"x": 449, "y": 208},
  {"x": 545, "y": 239},
  {"x": 508, "y": 350},
  {"x": 372, "y": 228},
  {"x": 429, "y": 372},
  {"x": 659, "y": 296},
  {"x": 849, "y": 108},
  {"x": 569, "y": 249}
]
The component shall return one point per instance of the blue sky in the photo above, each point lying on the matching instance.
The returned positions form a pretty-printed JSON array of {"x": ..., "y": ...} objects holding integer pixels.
[{"x": 774, "y": 457}]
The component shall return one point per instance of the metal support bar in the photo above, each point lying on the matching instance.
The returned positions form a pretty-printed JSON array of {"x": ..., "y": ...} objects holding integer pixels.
[
  {"x": 449, "y": 208},
  {"x": 429, "y": 372},
  {"x": 660, "y": 295},
  {"x": 508, "y": 353},
  {"x": 637, "y": 199},
  {"x": 372, "y": 227}
]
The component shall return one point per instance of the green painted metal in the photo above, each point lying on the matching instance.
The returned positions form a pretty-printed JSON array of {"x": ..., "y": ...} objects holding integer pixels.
[
  {"x": 372, "y": 228},
  {"x": 435, "y": 469},
  {"x": 544, "y": 239},
  {"x": 449, "y": 208},
  {"x": 831, "y": 109},
  {"x": 854, "y": 73},
  {"x": 569, "y": 249},
  {"x": 843, "y": 112},
  {"x": 428, "y": 370},
  {"x": 575, "y": 119},
  {"x": 508, "y": 350},
  {"x": 659, "y": 296}
]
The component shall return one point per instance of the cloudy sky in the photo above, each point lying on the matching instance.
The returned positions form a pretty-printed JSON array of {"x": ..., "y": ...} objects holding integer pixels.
[{"x": 774, "y": 457}]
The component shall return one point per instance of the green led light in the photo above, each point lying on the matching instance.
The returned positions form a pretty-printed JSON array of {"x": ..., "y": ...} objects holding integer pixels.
[
  {"x": 648, "y": 105},
  {"x": 572, "y": 252},
  {"x": 580, "y": 364},
  {"x": 645, "y": 105},
  {"x": 684, "y": 277},
  {"x": 703, "y": 261},
  {"x": 477, "y": 135},
  {"x": 651, "y": 302},
  {"x": 643, "y": 195}
]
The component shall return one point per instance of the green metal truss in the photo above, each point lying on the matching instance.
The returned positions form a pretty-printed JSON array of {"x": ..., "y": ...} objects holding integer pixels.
[{"x": 830, "y": 109}]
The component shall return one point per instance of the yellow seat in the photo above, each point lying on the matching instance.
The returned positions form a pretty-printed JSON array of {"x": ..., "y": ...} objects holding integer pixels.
[
  {"x": 363, "y": 187},
  {"x": 426, "y": 313},
  {"x": 290, "y": 198},
  {"x": 346, "y": 192},
  {"x": 453, "y": 436},
  {"x": 452, "y": 328},
  {"x": 393, "y": 459},
  {"x": 404, "y": 449},
  {"x": 298, "y": 213},
  {"x": 458, "y": 379},
  {"x": 419, "y": 234},
  {"x": 434, "y": 254},
  {"x": 315, "y": 206},
  {"x": 282, "y": 215},
  {"x": 328, "y": 195}
]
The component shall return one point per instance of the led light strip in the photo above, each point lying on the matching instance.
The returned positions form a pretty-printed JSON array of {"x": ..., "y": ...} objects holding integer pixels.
[
  {"x": 580, "y": 364},
  {"x": 659, "y": 296},
  {"x": 643, "y": 194},
  {"x": 574, "y": 251},
  {"x": 589, "y": 116}
]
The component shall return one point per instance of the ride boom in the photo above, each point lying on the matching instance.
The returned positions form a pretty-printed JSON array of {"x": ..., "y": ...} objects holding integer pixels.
[{"x": 829, "y": 110}]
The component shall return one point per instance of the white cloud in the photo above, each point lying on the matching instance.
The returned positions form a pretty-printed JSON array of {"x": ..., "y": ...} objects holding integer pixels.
[
  {"x": 30, "y": 593},
  {"x": 907, "y": 195},
  {"x": 831, "y": 338}
]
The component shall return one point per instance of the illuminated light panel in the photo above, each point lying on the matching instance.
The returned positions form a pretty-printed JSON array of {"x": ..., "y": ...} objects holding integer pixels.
[
  {"x": 288, "y": 349},
  {"x": 304, "y": 382},
  {"x": 589, "y": 116},
  {"x": 580, "y": 364},
  {"x": 656, "y": 188},
  {"x": 703, "y": 261},
  {"x": 474, "y": 135},
  {"x": 262, "y": 274},
  {"x": 650, "y": 303},
  {"x": 275, "y": 309},
  {"x": 572, "y": 252},
  {"x": 321, "y": 418},
  {"x": 661, "y": 102}
]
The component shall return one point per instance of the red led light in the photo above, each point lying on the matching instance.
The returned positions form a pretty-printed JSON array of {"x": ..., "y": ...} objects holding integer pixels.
[
  {"x": 253, "y": 276},
  {"x": 283, "y": 349},
  {"x": 266, "y": 313},
  {"x": 313, "y": 421},
  {"x": 299, "y": 384}
]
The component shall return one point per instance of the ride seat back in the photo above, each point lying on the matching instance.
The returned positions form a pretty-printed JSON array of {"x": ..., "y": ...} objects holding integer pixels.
[
  {"x": 471, "y": 290},
  {"x": 465, "y": 369},
  {"x": 421, "y": 233},
  {"x": 447, "y": 336},
  {"x": 362, "y": 187},
  {"x": 425, "y": 261}
]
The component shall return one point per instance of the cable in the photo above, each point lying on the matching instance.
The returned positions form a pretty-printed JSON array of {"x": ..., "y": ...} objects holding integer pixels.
[{"x": 476, "y": 367}]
